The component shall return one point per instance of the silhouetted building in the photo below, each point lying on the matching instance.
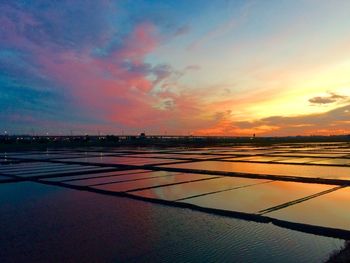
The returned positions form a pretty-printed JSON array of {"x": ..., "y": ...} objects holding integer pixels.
[{"x": 142, "y": 136}]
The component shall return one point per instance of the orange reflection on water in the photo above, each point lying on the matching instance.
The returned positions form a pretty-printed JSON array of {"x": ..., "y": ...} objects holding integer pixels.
[
  {"x": 123, "y": 160},
  {"x": 329, "y": 210},
  {"x": 273, "y": 169},
  {"x": 151, "y": 182},
  {"x": 175, "y": 192},
  {"x": 259, "y": 197}
]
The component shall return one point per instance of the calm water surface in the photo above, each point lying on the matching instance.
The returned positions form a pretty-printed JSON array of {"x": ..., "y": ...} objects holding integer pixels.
[{"x": 41, "y": 223}]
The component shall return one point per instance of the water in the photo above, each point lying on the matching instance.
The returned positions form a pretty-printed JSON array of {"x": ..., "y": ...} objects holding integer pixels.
[
  {"x": 200, "y": 188},
  {"x": 41, "y": 223},
  {"x": 331, "y": 210},
  {"x": 258, "y": 197},
  {"x": 152, "y": 182},
  {"x": 123, "y": 160},
  {"x": 330, "y": 172}
]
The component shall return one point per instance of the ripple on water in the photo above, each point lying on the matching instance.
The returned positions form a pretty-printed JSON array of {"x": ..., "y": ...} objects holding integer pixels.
[
  {"x": 114, "y": 229},
  {"x": 210, "y": 238}
]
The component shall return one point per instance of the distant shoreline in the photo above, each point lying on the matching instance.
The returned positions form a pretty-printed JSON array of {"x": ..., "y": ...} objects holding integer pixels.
[{"x": 26, "y": 142}]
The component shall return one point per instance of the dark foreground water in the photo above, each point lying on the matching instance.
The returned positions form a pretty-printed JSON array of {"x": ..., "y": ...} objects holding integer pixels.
[{"x": 41, "y": 223}]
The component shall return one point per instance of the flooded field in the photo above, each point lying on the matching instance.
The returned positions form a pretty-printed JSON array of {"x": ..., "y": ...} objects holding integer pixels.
[{"x": 251, "y": 204}]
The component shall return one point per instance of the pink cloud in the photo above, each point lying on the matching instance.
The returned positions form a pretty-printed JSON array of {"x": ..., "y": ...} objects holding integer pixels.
[{"x": 102, "y": 86}]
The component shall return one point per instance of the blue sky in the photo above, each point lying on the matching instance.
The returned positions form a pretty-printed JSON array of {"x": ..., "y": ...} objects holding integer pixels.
[{"x": 198, "y": 67}]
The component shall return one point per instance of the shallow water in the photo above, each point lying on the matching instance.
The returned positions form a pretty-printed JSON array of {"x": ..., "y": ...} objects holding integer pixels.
[
  {"x": 152, "y": 182},
  {"x": 207, "y": 188},
  {"x": 56, "y": 171},
  {"x": 3, "y": 177},
  {"x": 258, "y": 197},
  {"x": 256, "y": 159},
  {"x": 273, "y": 169},
  {"x": 131, "y": 176},
  {"x": 333, "y": 161},
  {"x": 330, "y": 210},
  {"x": 73, "y": 226},
  {"x": 123, "y": 160},
  {"x": 94, "y": 175},
  {"x": 48, "y": 220}
]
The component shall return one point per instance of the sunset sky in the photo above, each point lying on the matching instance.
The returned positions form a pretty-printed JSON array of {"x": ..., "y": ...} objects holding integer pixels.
[{"x": 277, "y": 67}]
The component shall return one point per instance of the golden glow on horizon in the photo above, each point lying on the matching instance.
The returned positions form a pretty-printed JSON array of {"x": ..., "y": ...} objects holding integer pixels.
[{"x": 293, "y": 101}]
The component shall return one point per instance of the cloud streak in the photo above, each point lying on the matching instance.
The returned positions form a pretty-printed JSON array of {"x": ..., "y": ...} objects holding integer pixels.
[
  {"x": 332, "y": 98},
  {"x": 332, "y": 122}
]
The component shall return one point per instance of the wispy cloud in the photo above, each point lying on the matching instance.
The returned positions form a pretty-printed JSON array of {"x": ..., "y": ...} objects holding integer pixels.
[
  {"x": 224, "y": 28},
  {"x": 330, "y": 122},
  {"x": 331, "y": 98}
]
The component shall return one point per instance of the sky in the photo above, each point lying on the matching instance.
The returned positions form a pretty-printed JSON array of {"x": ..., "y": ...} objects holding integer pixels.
[{"x": 200, "y": 67}]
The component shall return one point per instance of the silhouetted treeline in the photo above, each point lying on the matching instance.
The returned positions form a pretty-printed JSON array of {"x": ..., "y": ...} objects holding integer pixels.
[{"x": 26, "y": 141}]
